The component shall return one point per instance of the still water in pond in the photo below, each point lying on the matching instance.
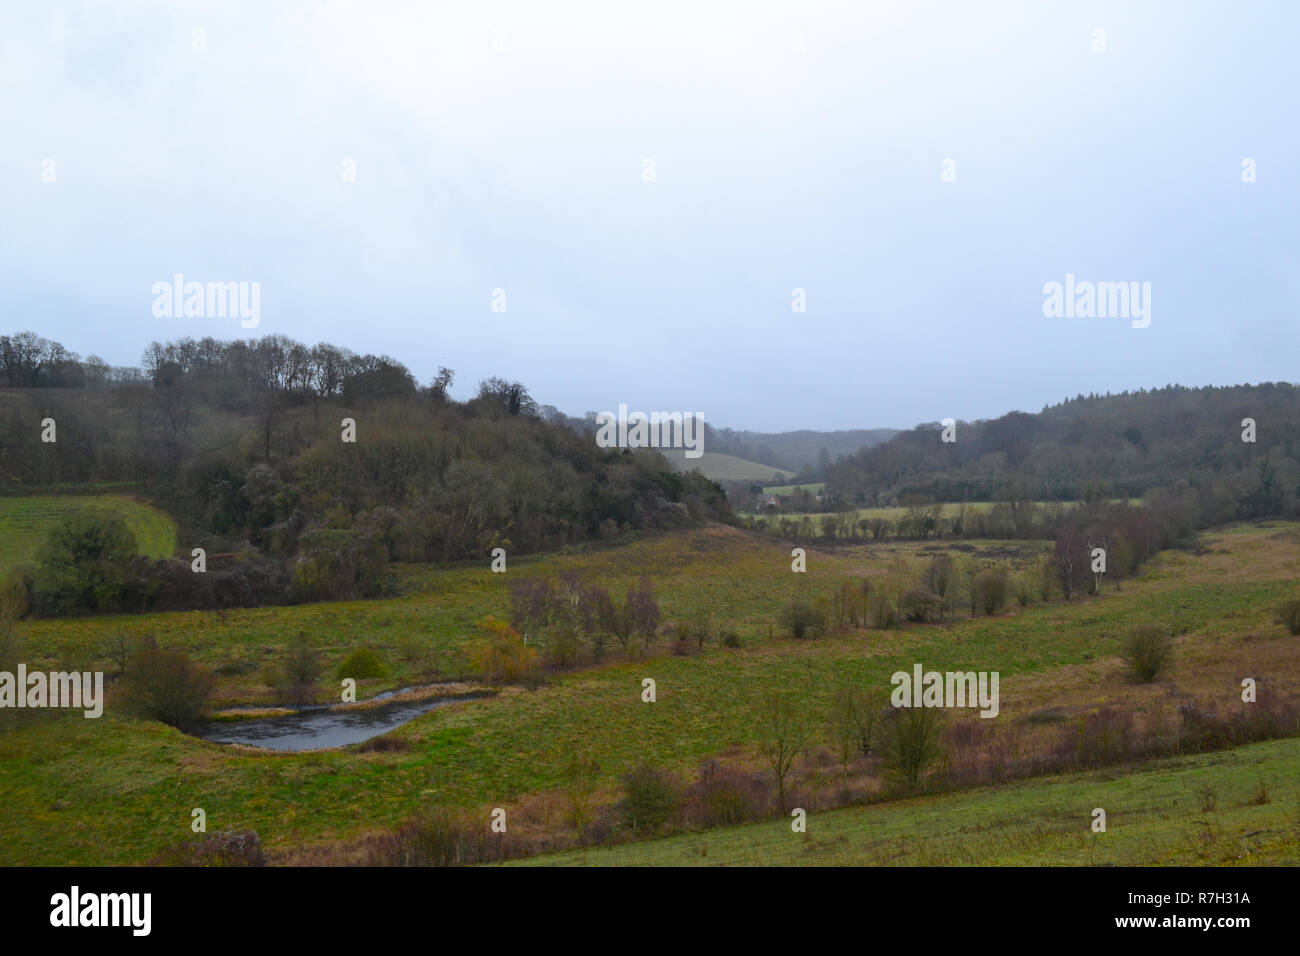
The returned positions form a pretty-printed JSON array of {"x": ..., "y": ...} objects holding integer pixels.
[{"x": 315, "y": 728}]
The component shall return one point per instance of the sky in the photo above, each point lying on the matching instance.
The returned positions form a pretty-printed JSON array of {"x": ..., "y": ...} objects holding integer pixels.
[{"x": 648, "y": 185}]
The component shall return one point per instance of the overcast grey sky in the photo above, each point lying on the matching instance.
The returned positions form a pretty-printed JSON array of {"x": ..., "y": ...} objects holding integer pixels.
[{"x": 794, "y": 145}]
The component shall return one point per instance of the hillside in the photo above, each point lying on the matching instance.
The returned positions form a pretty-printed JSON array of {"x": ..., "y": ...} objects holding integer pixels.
[
  {"x": 795, "y": 451},
  {"x": 25, "y": 523},
  {"x": 303, "y": 470},
  {"x": 1121, "y": 445},
  {"x": 718, "y": 466},
  {"x": 1038, "y": 823}
]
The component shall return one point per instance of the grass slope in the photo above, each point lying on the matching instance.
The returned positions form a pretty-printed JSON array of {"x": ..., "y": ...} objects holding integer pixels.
[
  {"x": 1159, "y": 813},
  {"x": 25, "y": 523},
  {"x": 722, "y": 467}
]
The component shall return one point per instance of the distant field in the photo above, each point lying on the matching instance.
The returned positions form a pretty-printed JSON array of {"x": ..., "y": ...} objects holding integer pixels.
[
  {"x": 722, "y": 467},
  {"x": 891, "y": 514},
  {"x": 814, "y": 488},
  {"x": 1154, "y": 815},
  {"x": 25, "y": 523}
]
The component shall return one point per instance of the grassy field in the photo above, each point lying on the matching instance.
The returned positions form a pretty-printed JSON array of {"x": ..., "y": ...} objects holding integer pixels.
[
  {"x": 1203, "y": 810},
  {"x": 26, "y": 522},
  {"x": 722, "y": 467},
  {"x": 118, "y": 790},
  {"x": 814, "y": 488}
]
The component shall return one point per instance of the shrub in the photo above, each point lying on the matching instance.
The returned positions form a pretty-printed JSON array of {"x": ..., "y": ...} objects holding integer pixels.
[
  {"x": 1288, "y": 615},
  {"x": 650, "y": 798},
  {"x": 730, "y": 639},
  {"x": 881, "y": 612},
  {"x": 913, "y": 746},
  {"x": 234, "y": 667},
  {"x": 1107, "y": 736},
  {"x": 361, "y": 664},
  {"x": 1148, "y": 650},
  {"x": 919, "y": 605},
  {"x": 803, "y": 619},
  {"x": 583, "y": 776},
  {"x": 501, "y": 655},
  {"x": 167, "y": 686},
  {"x": 723, "y": 796},
  {"x": 991, "y": 589},
  {"x": 118, "y": 648},
  {"x": 939, "y": 575},
  {"x": 226, "y": 848},
  {"x": 1023, "y": 590},
  {"x": 700, "y": 628},
  {"x": 431, "y": 839},
  {"x": 84, "y": 563},
  {"x": 334, "y": 564},
  {"x": 852, "y": 720},
  {"x": 300, "y": 670},
  {"x": 385, "y": 743}
]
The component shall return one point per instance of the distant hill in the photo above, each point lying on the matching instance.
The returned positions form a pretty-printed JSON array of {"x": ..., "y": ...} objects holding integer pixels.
[
  {"x": 794, "y": 451},
  {"x": 787, "y": 452},
  {"x": 1118, "y": 445}
]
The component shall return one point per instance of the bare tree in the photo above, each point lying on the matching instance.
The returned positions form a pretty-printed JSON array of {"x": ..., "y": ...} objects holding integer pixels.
[{"x": 782, "y": 736}]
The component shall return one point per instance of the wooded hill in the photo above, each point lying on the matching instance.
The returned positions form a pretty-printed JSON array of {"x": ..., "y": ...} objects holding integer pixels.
[
  {"x": 242, "y": 443},
  {"x": 1120, "y": 445}
]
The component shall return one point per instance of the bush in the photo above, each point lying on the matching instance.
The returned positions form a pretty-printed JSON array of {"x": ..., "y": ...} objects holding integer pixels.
[
  {"x": 1148, "y": 649},
  {"x": 650, "y": 798},
  {"x": 227, "y": 848},
  {"x": 431, "y": 839},
  {"x": 361, "y": 664},
  {"x": 1023, "y": 590},
  {"x": 724, "y": 796},
  {"x": 1107, "y": 736},
  {"x": 991, "y": 588},
  {"x": 881, "y": 613},
  {"x": 335, "y": 564},
  {"x": 939, "y": 575},
  {"x": 730, "y": 639},
  {"x": 1288, "y": 615},
  {"x": 301, "y": 669},
  {"x": 167, "y": 686},
  {"x": 803, "y": 619},
  {"x": 913, "y": 747},
  {"x": 501, "y": 655},
  {"x": 84, "y": 564},
  {"x": 852, "y": 720},
  {"x": 919, "y": 605}
]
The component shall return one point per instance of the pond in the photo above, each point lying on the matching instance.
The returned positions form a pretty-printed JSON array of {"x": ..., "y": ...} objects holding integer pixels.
[{"x": 316, "y": 728}]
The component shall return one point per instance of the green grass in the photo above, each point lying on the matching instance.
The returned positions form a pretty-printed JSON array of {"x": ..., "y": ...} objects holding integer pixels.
[
  {"x": 1154, "y": 815},
  {"x": 722, "y": 467},
  {"x": 119, "y": 790},
  {"x": 25, "y": 523},
  {"x": 814, "y": 488}
]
